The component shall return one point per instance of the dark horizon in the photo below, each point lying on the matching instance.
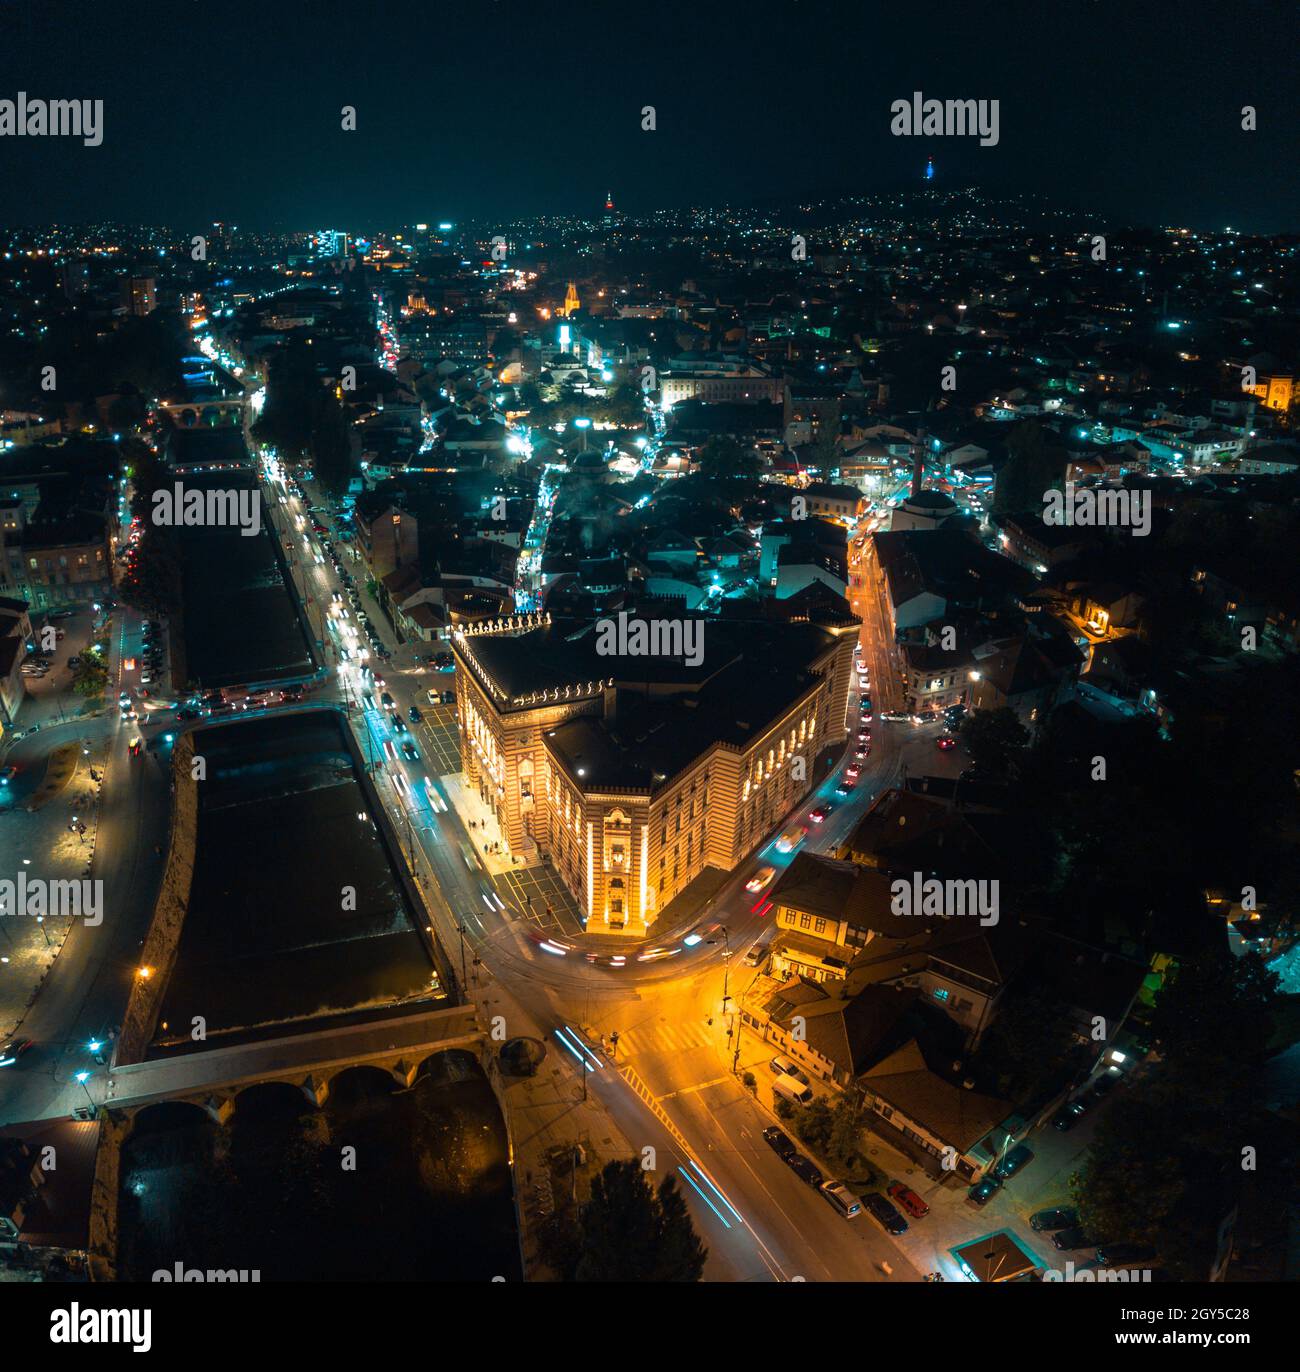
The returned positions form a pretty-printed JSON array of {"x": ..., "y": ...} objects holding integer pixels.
[{"x": 233, "y": 114}]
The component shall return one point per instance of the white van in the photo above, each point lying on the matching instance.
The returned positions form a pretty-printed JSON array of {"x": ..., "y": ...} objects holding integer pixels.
[
  {"x": 842, "y": 1199},
  {"x": 793, "y": 1091}
]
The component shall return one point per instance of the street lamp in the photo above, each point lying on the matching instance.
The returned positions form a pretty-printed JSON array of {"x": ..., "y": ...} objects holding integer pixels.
[{"x": 81, "y": 1078}]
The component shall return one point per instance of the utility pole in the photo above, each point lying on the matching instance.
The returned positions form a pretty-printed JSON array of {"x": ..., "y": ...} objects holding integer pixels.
[{"x": 464, "y": 974}]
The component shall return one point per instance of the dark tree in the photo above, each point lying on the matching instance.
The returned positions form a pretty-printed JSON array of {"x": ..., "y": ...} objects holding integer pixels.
[
  {"x": 723, "y": 459},
  {"x": 1033, "y": 467},
  {"x": 631, "y": 1232},
  {"x": 995, "y": 740},
  {"x": 1026, "y": 1053}
]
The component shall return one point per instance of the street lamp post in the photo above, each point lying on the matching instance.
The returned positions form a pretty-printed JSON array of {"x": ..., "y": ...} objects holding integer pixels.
[
  {"x": 81, "y": 1078},
  {"x": 464, "y": 974}
]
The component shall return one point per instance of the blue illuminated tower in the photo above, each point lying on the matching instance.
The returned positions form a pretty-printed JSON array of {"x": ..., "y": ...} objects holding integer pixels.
[{"x": 929, "y": 168}]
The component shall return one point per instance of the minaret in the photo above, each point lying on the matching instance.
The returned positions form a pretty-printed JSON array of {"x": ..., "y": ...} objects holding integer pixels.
[{"x": 929, "y": 168}]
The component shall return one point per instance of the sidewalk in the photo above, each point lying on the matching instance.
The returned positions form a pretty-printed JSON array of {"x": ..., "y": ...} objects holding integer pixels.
[
  {"x": 47, "y": 847},
  {"x": 484, "y": 831},
  {"x": 559, "y": 1141}
]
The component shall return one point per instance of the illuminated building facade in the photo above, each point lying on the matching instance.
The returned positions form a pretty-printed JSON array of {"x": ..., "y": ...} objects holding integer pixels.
[{"x": 632, "y": 774}]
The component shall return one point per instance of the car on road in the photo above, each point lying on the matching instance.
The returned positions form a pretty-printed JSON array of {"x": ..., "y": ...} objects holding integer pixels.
[
  {"x": 657, "y": 954},
  {"x": 885, "y": 1213},
  {"x": 755, "y": 955},
  {"x": 1064, "y": 1217},
  {"x": 983, "y": 1191},
  {"x": 11, "y": 1051},
  {"x": 842, "y": 1199},
  {"x": 1068, "y": 1116},
  {"x": 945, "y": 742},
  {"x": 896, "y": 717},
  {"x": 862, "y": 752},
  {"x": 1019, "y": 1157},
  {"x": 7, "y": 774},
  {"x": 388, "y": 702},
  {"x": 409, "y": 751},
  {"x": 864, "y": 735},
  {"x": 791, "y": 839},
  {"x": 845, "y": 785},
  {"x": 414, "y": 714},
  {"x": 135, "y": 747},
  {"x": 818, "y": 816},
  {"x": 780, "y": 1143},
  {"x": 700, "y": 934},
  {"x": 805, "y": 1170},
  {"x": 760, "y": 879},
  {"x": 399, "y": 724},
  {"x": 852, "y": 772},
  {"x": 1066, "y": 1239},
  {"x": 908, "y": 1199},
  {"x": 189, "y": 712}
]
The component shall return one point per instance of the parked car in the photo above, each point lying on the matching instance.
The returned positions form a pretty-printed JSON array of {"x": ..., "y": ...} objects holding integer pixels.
[
  {"x": 414, "y": 713},
  {"x": 983, "y": 1191},
  {"x": 1067, "y": 1239},
  {"x": 787, "y": 1088},
  {"x": 805, "y": 1169},
  {"x": 1047, "y": 1220},
  {"x": 842, "y": 1199},
  {"x": 883, "y": 1211},
  {"x": 1068, "y": 1116},
  {"x": 1018, "y": 1158},
  {"x": 780, "y": 1142},
  {"x": 781, "y": 1064},
  {"x": 908, "y": 1199}
]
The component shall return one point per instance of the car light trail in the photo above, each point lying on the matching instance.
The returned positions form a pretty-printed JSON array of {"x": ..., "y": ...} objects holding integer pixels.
[
  {"x": 691, "y": 1182},
  {"x": 579, "y": 1051},
  {"x": 714, "y": 1187}
]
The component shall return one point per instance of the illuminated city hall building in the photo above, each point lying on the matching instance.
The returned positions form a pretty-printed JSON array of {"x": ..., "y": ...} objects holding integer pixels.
[{"x": 634, "y": 773}]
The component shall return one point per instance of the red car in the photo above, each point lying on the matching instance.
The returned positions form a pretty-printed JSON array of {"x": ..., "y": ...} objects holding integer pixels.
[
  {"x": 851, "y": 771},
  {"x": 909, "y": 1200},
  {"x": 945, "y": 742}
]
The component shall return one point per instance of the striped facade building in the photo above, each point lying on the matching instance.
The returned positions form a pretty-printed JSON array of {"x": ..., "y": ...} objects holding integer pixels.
[{"x": 632, "y": 774}]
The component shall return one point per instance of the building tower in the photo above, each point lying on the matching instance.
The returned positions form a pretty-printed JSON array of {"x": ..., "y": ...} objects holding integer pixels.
[{"x": 571, "y": 302}]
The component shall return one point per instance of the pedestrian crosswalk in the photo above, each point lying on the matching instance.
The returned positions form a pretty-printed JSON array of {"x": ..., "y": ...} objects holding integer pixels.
[{"x": 657, "y": 1037}]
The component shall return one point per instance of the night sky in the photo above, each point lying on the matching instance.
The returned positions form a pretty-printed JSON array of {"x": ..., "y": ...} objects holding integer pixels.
[{"x": 1130, "y": 108}]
